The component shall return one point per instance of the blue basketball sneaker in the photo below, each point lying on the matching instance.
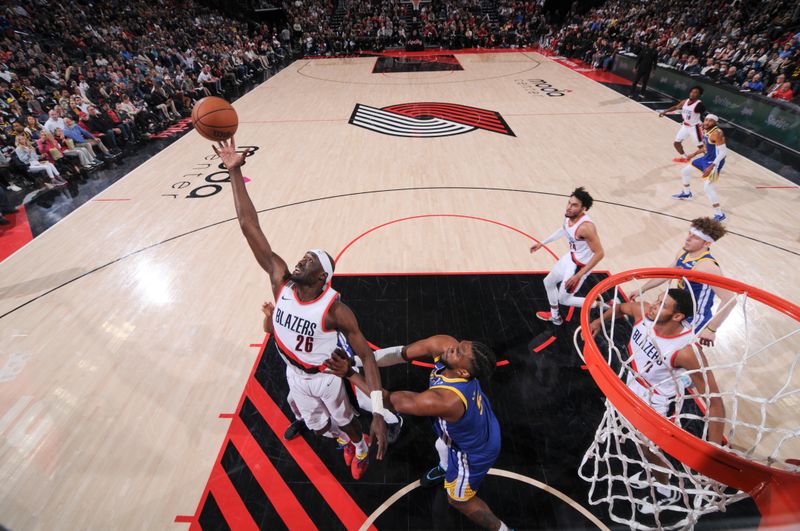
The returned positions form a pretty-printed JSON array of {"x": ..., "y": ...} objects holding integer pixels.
[
  {"x": 683, "y": 196},
  {"x": 720, "y": 217}
]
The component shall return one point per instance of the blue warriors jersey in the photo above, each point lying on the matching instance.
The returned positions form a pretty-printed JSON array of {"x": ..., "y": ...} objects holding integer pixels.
[
  {"x": 705, "y": 161},
  {"x": 473, "y": 441},
  {"x": 703, "y": 293}
]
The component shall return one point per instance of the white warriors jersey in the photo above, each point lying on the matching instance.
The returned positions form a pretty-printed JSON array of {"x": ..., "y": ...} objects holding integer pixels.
[
  {"x": 689, "y": 113},
  {"x": 580, "y": 250},
  {"x": 299, "y": 327},
  {"x": 654, "y": 357}
]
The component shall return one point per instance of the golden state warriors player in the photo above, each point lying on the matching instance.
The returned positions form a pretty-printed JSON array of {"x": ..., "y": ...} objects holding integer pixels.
[
  {"x": 468, "y": 432},
  {"x": 696, "y": 256},
  {"x": 714, "y": 152},
  {"x": 307, "y": 319}
]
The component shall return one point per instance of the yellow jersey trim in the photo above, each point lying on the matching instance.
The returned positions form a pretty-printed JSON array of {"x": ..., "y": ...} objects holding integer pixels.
[{"x": 456, "y": 391}]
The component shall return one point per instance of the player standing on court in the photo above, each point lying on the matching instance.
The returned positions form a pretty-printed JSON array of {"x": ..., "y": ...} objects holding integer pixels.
[
  {"x": 692, "y": 111},
  {"x": 306, "y": 320},
  {"x": 696, "y": 256},
  {"x": 468, "y": 431},
  {"x": 714, "y": 152},
  {"x": 571, "y": 270}
]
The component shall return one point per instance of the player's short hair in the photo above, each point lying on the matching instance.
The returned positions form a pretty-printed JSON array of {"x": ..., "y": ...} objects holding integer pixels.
[
  {"x": 710, "y": 226},
  {"x": 583, "y": 196},
  {"x": 699, "y": 88},
  {"x": 483, "y": 361},
  {"x": 683, "y": 302}
]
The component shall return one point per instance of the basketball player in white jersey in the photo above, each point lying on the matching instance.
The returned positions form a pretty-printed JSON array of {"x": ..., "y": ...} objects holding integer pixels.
[
  {"x": 692, "y": 111},
  {"x": 394, "y": 423},
  {"x": 714, "y": 152},
  {"x": 696, "y": 256},
  {"x": 306, "y": 322},
  {"x": 571, "y": 270},
  {"x": 661, "y": 351}
]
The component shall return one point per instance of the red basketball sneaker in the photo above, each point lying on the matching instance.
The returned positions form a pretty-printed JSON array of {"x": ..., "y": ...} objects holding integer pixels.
[
  {"x": 547, "y": 316},
  {"x": 348, "y": 451},
  {"x": 360, "y": 464}
]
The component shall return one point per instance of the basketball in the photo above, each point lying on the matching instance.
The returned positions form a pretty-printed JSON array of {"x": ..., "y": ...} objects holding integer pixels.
[{"x": 214, "y": 118}]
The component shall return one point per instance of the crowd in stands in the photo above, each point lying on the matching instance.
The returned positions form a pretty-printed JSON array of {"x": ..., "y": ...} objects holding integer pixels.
[
  {"x": 751, "y": 45},
  {"x": 82, "y": 84}
]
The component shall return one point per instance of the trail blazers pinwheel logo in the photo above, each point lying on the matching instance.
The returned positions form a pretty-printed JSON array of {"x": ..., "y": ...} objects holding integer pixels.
[{"x": 428, "y": 119}]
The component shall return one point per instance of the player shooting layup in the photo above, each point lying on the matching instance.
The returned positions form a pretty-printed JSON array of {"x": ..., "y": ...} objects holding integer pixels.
[{"x": 306, "y": 320}]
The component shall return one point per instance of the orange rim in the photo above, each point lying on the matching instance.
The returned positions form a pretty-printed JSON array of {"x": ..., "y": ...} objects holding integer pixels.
[{"x": 775, "y": 491}]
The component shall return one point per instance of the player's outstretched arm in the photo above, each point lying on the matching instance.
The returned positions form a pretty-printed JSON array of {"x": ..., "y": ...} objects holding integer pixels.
[
  {"x": 706, "y": 385},
  {"x": 342, "y": 318},
  {"x": 673, "y": 108},
  {"x": 430, "y": 403},
  {"x": 652, "y": 283},
  {"x": 631, "y": 309},
  {"x": 273, "y": 264},
  {"x": 423, "y": 349}
]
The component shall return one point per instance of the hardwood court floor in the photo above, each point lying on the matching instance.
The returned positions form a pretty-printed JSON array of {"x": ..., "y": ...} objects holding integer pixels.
[{"x": 126, "y": 326}]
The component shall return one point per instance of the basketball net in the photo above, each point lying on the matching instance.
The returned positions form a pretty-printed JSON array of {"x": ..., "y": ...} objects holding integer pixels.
[
  {"x": 657, "y": 481},
  {"x": 416, "y": 4}
]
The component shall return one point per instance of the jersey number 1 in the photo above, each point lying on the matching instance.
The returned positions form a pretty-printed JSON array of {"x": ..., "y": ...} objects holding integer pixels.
[{"x": 309, "y": 343}]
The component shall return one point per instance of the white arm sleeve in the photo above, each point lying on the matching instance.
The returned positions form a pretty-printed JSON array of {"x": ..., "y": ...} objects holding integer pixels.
[
  {"x": 722, "y": 151},
  {"x": 386, "y": 357},
  {"x": 557, "y": 235}
]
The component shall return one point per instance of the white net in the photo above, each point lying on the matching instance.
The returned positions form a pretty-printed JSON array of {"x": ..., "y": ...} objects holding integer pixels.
[{"x": 743, "y": 392}]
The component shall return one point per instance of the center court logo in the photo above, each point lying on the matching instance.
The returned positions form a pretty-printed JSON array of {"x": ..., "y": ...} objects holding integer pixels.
[{"x": 428, "y": 120}]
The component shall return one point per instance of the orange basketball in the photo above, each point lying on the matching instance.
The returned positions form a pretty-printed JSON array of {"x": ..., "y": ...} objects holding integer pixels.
[{"x": 214, "y": 118}]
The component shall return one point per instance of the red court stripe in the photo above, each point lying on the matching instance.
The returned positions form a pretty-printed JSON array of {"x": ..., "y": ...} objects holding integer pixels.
[
  {"x": 226, "y": 415},
  {"x": 544, "y": 345},
  {"x": 276, "y": 489},
  {"x": 230, "y": 504},
  {"x": 328, "y": 486},
  {"x": 184, "y": 519},
  {"x": 502, "y": 362},
  {"x": 764, "y": 187},
  {"x": 423, "y": 364},
  {"x": 569, "y": 313},
  {"x": 195, "y": 526},
  {"x": 456, "y": 115},
  {"x": 259, "y": 345},
  {"x": 423, "y": 216}
]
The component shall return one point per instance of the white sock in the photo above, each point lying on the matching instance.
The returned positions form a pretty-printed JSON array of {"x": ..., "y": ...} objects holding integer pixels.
[
  {"x": 503, "y": 526},
  {"x": 554, "y": 312},
  {"x": 361, "y": 448}
]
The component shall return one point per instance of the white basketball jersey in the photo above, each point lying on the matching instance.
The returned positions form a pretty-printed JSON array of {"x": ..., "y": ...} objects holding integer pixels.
[
  {"x": 581, "y": 252},
  {"x": 653, "y": 357},
  {"x": 299, "y": 327},
  {"x": 690, "y": 117}
]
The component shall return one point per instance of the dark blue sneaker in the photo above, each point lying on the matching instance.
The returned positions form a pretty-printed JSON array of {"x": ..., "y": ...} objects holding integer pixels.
[
  {"x": 683, "y": 196},
  {"x": 432, "y": 477}
]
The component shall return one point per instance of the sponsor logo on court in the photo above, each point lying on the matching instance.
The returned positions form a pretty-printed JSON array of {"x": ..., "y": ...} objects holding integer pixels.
[
  {"x": 206, "y": 178},
  {"x": 540, "y": 87},
  {"x": 428, "y": 119}
]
